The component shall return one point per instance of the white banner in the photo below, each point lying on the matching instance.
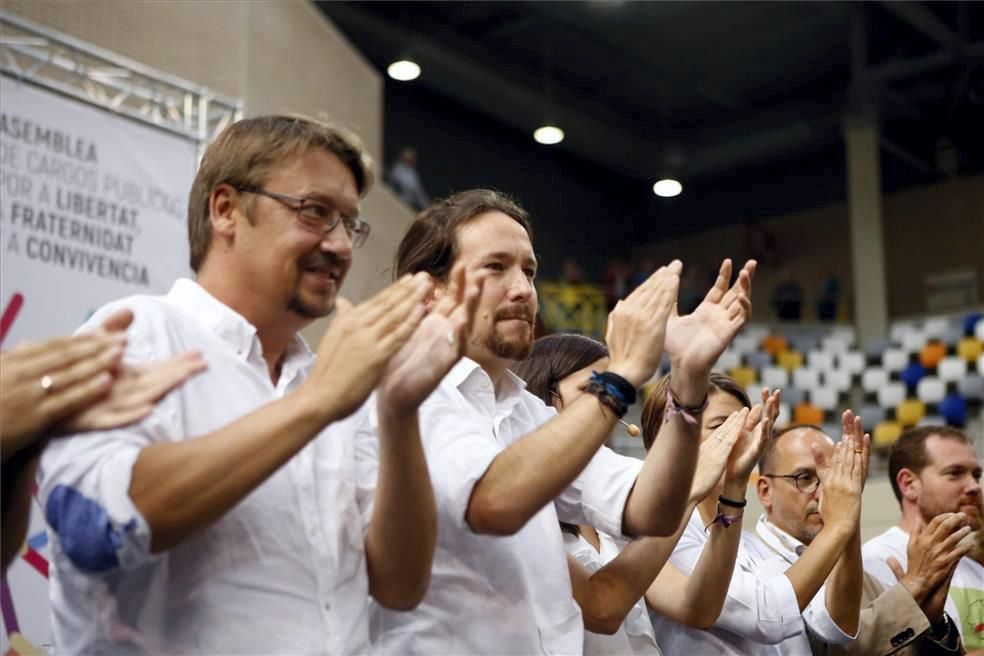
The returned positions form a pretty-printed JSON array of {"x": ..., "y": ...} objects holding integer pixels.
[{"x": 93, "y": 207}]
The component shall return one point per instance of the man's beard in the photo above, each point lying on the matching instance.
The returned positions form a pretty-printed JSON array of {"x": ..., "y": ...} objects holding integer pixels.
[
  {"x": 503, "y": 348},
  {"x": 932, "y": 509},
  {"x": 296, "y": 303}
]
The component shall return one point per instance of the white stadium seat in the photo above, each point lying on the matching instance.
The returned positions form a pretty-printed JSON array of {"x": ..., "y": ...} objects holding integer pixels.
[
  {"x": 894, "y": 360},
  {"x": 873, "y": 379},
  {"x": 931, "y": 390},
  {"x": 891, "y": 394},
  {"x": 951, "y": 369}
]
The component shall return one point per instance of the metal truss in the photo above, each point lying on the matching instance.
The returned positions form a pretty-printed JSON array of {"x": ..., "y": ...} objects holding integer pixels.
[{"x": 75, "y": 68}]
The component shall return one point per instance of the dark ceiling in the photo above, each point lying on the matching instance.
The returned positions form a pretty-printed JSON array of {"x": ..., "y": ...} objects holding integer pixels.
[{"x": 700, "y": 89}]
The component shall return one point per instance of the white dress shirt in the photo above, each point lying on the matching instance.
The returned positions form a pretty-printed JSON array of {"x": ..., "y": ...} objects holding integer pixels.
[
  {"x": 282, "y": 572},
  {"x": 636, "y": 635},
  {"x": 497, "y": 594},
  {"x": 965, "y": 601},
  {"x": 760, "y": 614}
]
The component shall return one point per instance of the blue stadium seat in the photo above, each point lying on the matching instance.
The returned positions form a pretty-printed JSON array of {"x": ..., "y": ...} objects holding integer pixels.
[{"x": 954, "y": 409}]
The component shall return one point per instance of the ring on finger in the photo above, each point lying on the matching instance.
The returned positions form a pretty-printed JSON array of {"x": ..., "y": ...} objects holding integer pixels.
[
  {"x": 47, "y": 383},
  {"x": 451, "y": 337}
]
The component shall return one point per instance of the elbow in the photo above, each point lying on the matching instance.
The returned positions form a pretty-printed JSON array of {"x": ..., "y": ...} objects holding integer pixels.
[
  {"x": 491, "y": 517},
  {"x": 600, "y": 621},
  {"x": 402, "y": 595}
]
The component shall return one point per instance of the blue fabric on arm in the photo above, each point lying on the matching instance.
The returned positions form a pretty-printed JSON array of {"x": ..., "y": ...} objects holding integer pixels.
[{"x": 87, "y": 535}]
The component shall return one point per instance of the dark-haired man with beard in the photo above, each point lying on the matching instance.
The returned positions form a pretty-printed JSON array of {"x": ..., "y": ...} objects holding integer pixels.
[
  {"x": 935, "y": 472},
  {"x": 505, "y": 467}
]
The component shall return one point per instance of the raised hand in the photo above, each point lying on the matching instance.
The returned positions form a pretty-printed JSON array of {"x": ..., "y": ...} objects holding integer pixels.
[
  {"x": 134, "y": 391},
  {"x": 933, "y": 553},
  {"x": 842, "y": 481},
  {"x": 771, "y": 402},
  {"x": 435, "y": 347},
  {"x": 715, "y": 452},
  {"x": 42, "y": 384},
  {"x": 695, "y": 341},
  {"x": 637, "y": 325},
  {"x": 356, "y": 349},
  {"x": 851, "y": 426},
  {"x": 755, "y": 434}
]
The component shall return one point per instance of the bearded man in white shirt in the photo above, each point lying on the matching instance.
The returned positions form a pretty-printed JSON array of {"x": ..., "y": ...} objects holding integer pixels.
[
  {"x": 934, "y": 472},
  {"x": 229, "y": 521},
  {"x": 506, "y": 467}
]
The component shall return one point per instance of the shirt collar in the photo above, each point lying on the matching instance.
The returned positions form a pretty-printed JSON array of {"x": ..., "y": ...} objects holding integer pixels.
[
  {"x": 779, "y": 540},
  {"x": 230, "y": 326}
]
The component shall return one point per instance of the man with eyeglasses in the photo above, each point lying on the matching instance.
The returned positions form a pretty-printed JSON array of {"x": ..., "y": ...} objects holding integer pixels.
[
  {"x": 808, "y": 520},
  {"x": 231, "y": 520}
]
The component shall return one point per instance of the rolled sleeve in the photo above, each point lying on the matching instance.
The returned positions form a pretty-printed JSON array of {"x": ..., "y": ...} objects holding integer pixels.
[
  {"x": 821, "y": 624},
  {"x": 598, "y": 495},
  {"x": 760, "y": 607},
  {"x": 458, "y": 452},
  {"x": 83, "y": 487}
]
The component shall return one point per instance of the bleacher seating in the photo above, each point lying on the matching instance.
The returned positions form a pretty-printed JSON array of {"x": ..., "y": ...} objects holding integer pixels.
[{"x": 921, "y": 372}]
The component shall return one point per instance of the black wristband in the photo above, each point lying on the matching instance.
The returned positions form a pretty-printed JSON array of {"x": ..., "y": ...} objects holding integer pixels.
[
  {"x": 601, "y": 390},
  {"x": 724, "y": 501},
  {"x": 625, "y": 389}
]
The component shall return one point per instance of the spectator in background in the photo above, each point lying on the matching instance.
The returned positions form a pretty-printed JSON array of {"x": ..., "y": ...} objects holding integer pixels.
[
  {"x": 787, "y": 297},
  {"x": 934, "y": 471},
  {"x": 616, "y": 281},
  {"x": 571, "y": 273},
  {"x": 829, "y": 298},
  {"x": 405, "y": 180}
]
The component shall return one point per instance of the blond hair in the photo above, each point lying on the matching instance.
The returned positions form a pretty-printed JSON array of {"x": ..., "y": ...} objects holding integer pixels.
[{"x": 246, "y": 152}]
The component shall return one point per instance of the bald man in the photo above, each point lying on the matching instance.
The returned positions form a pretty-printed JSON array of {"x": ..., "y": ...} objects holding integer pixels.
[{"x": 796, "y": 467}]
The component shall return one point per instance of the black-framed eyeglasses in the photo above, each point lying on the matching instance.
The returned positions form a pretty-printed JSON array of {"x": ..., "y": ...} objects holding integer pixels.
[
  {"x": 806, "y": 482},
  {"x": 316, "y": 216}
]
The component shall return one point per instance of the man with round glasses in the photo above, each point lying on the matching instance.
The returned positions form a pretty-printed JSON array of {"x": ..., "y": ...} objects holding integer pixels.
[
  {"x": 231, "y": 520},
  {"x": 807, "y": 520}
]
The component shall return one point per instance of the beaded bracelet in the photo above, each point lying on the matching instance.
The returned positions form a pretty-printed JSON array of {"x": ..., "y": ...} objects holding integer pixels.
[{"x": 604, "y": 394}]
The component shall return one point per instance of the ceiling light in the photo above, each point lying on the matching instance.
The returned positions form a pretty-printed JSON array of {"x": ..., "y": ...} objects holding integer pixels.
[
  {"x": 404, "y": 70},
  {"x": 548, "y": 135},
  {"x": 667, "y": 188}
]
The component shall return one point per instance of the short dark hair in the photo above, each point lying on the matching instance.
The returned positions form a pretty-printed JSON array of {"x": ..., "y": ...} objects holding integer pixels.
[
  {"x": 909, "y": 451},
  {"x": 554, "y": 358},
  {"x": 765, "y": 460},
  {"x": 655, "y": 406},
  {"x": 430, "y": 243}
]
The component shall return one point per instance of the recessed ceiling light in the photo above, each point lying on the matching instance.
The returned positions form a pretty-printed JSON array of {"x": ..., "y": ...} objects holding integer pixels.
[
  {"x": 403, "y": 70},
  {"x": 548, "y": 135},
  {"x": 667, "y": 188}
]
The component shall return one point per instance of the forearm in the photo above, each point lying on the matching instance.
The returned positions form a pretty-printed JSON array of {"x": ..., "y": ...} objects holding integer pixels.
[
  {"x": 658, "y": 501},
  {"x": 402, "y": 533},
  {"x": 809, "y": 572},
  {"x": 707, "y": 586},
  {"x": 182, "y": 487},
  {"x": 534, "y": 470},
  {"x": 844, "y": 586}
]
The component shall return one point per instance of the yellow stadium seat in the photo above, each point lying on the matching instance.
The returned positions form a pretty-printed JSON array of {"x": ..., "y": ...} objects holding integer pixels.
[
  {"x": 970, "y": 349},
  {"x": 931, "y": 355},
  {"x": 790, "y": 360},
  {"x": 910, "y": 411},
  {"x": 744, "y": 376},
  {"x": 804, "y": 413},
  {"x": 886, "y": 434},
  {"x": 774, "y": 344}
]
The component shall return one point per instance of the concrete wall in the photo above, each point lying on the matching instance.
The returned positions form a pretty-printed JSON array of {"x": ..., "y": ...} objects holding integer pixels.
[
  {"x": 278, "y": 55},
  {"x": 928, "y": 230}
]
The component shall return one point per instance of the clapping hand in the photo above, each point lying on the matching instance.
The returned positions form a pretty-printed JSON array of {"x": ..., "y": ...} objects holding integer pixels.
[
  {"x": 434, "y": 348},
  {"x": 637, "y": 325},
  {"x": 695, "y": 341}
]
